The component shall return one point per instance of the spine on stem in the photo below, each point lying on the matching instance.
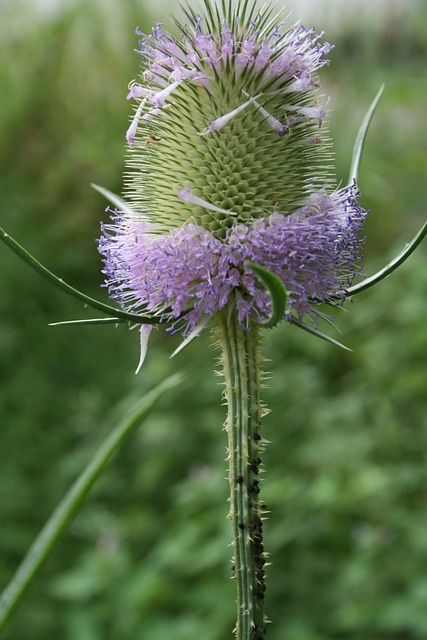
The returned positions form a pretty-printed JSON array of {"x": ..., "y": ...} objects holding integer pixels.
[{"x": 241, "y": 363}]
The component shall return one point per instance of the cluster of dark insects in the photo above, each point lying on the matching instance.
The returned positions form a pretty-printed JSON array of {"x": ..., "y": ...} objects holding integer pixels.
[
  {"x": 255, "y": 529},
  {"x": 257, "y": 633}
]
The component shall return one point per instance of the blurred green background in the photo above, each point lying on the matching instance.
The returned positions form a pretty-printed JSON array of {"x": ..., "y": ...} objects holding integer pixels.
[{"x": 147, "y": 556}]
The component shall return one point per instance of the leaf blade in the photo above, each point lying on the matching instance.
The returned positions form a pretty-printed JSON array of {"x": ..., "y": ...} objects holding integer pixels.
[
  {"x": 392, "y": 266},
  {"x": 59, "y": 282},
  {"x": 361, "y": 136},
  {"x": 276, "y": 290},
  {"x": 67, "y": 508}
]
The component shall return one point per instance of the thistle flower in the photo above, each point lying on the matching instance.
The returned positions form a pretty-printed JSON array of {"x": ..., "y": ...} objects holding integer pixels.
[
  {"x": 230, "y": 171},
  {"x": 229, "y": 180},
  {"x": 230, "y": 163}
]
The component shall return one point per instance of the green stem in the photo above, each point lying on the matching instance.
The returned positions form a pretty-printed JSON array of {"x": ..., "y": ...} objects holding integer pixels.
[{"x": 242, "y": 373}]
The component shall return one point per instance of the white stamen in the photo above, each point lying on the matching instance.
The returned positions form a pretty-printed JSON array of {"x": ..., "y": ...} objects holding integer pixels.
[
  {"x": 185, "y": 194},
  {"x": 304, "y": 83},
  {"x": 274, "y": 123},
  {"x": 136, "y": 91},
  {"x": 151, "y": 114},
  {"x": 130, "y": 133},
  {"x": 181, "y": 73},
  {"x": 144, "y": 334},
  {"x": 313, "y": 113},
  {"x": 317, "y": 113},
  {"x": 216, "y": 125},
  {"x": 159, "y": 98}
]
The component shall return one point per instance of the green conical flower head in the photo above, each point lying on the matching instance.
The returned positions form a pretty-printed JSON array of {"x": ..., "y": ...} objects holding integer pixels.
[{"x": 229, "y": 109}]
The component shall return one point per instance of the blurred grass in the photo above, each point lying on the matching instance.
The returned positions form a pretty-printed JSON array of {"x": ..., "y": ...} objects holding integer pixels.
[{"x": 346, "y": 477}]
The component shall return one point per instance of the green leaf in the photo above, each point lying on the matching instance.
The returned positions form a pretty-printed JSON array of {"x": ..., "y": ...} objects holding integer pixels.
[
  {"x": 59, "y": 282},
  {"x": 276, "y": 290},
  {"x": 318, "y": 334},
  {"x": 67, "y": 508},
  {"x": 116, "y": 200},
  {"x": 392, "y": 266},
  {"x": 361, "y": 135}
]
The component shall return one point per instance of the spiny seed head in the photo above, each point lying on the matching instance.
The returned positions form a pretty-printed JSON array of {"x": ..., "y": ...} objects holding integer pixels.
[
  {"x": 229, "y": 163},
  {"x": 234, "y": 110}
]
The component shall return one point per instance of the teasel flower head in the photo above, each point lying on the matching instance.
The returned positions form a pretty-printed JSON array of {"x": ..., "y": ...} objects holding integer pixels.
[{"x": 230, "y": 164}]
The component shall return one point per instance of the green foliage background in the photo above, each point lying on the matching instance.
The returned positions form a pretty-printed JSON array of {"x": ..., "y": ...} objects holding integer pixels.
[{"x": 147, "y": 556}]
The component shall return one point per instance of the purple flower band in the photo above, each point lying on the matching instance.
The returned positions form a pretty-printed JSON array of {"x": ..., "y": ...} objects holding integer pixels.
[{"x": 188, "y": 275}]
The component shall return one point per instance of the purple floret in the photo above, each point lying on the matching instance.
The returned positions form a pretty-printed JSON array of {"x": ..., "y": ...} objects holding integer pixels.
[
  {"x": 293, "y": 56},
  {"x": 188, "y": 275}
]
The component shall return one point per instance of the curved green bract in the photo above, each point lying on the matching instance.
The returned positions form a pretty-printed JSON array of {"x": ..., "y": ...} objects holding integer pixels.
[
  {"x": 276, "y": 290},
  {"x": 361, "y": 136},
  {"x": 392, "y": 266},
  {"x": 318, "y": 334},
  {"x": 116, "y": 200},
  {"x": 67, "y": 508},
  {"x": 89, "y": 321},
  {"x": 91, "y": 302}
]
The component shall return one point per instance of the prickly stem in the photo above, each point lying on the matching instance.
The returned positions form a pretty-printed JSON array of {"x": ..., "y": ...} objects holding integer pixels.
[{"x": 242, "y": 373}]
